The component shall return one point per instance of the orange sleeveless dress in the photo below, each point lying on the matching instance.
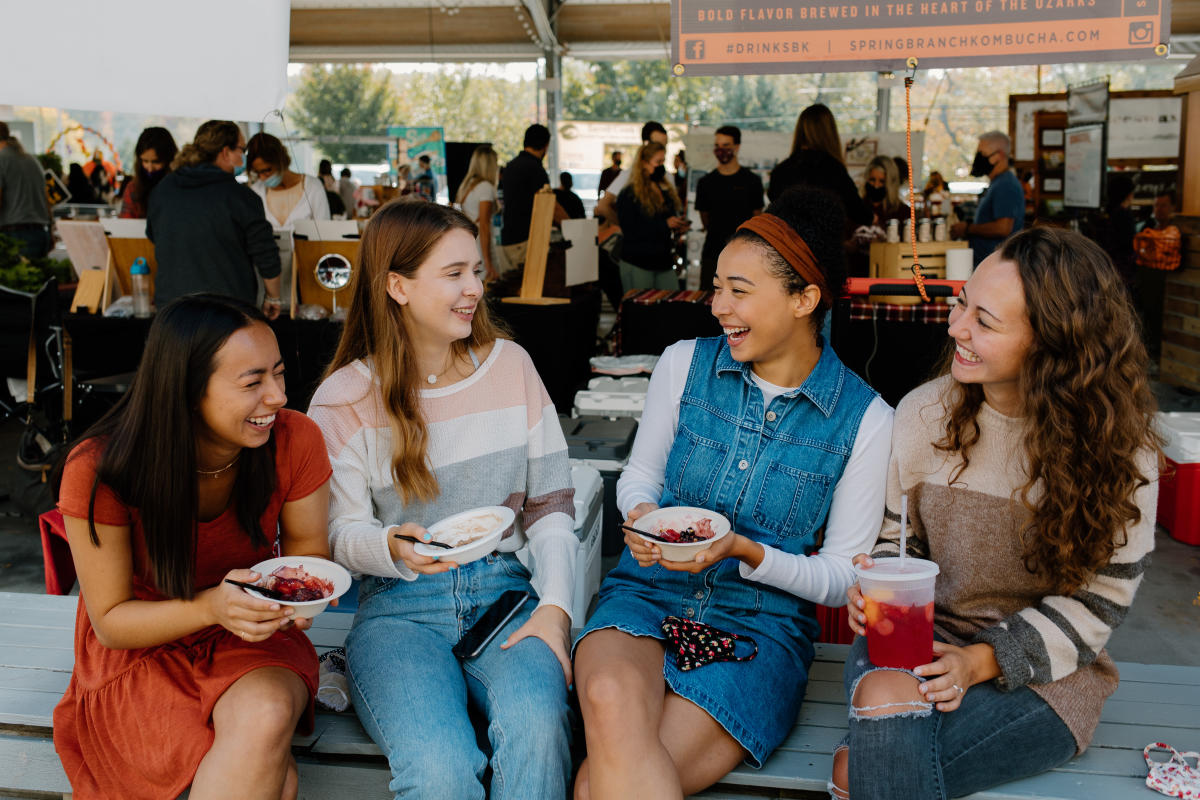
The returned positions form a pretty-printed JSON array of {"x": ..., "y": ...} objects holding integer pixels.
[{"x": 135, "y": 724}]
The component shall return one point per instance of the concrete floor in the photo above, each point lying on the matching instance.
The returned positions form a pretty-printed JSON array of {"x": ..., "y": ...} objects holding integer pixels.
[{"x": 1163, "y": 626}]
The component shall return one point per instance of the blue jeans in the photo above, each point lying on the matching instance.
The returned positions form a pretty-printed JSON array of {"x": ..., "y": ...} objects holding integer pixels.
[
  {"x": 993, "y": 737},
  {"x": 412, "y": 694},
  {"x": 32, "y": 242}
]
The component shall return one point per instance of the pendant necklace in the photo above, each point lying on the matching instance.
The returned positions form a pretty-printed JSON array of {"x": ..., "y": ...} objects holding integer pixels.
[
  {"x": 432, "y": 378},
  {"x": 212, "y": 473}
]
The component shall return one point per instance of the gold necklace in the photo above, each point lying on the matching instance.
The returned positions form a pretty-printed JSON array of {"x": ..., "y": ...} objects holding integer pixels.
[
  {"x": 432, "y": 379},
  {"x": 212, "y": 473}
]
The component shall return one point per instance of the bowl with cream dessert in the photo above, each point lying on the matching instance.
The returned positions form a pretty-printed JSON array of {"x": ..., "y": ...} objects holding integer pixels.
[
  {"x": 687, "y": 529},
  {"x": 309, "y": 582},
  {"x": 471, "y": 534}
]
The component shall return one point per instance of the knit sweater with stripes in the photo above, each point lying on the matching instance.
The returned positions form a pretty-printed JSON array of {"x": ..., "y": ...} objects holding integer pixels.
[
  {"x": 494, "y": 439},
  {"x": 971, "y": 527}
]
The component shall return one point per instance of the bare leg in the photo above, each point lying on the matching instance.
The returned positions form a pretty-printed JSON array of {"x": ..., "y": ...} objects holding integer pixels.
[
  {"x": 251, "y": 753},
  {"x": 703, "y": 751},
  {"x": 621, "y": 694}
]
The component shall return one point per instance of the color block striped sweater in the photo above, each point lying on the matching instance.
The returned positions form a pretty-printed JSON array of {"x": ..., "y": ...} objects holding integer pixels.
[
  {"x": 494, "y": 439},
  {"x": 971, "y": 528}
]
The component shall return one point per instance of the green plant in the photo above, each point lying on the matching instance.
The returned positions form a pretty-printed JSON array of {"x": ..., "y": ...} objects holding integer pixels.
[{"x": 28, "y": 275}]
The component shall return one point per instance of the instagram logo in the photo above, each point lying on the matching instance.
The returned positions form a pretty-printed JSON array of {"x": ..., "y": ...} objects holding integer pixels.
[{"x": 1141, "y": 33}]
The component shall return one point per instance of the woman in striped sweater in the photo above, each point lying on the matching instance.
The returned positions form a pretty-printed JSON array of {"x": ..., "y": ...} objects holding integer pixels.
[
  {"x": 1031, "y": 471},
  {"x": 426, "y": 412}
]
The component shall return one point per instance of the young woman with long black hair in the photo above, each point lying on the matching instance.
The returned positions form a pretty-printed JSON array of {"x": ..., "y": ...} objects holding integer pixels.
[{"x": 197, "y": 473}]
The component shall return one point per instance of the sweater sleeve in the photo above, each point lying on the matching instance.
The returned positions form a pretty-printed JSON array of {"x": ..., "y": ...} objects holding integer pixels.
[
  {"x": 358, "y": 539},
  {"x": 853, "y": 522},
  {"x": 1065, "y": 633},
  {"x": 548, "y": 515}
]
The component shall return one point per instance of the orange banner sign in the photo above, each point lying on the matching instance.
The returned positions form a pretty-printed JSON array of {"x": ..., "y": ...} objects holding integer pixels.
[{"x": 729, "y": 37}]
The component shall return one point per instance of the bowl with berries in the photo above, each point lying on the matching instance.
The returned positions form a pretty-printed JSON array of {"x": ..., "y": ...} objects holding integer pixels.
[
  {"x": 306, "y": 583},
  {"x": 680, "y": 532}
]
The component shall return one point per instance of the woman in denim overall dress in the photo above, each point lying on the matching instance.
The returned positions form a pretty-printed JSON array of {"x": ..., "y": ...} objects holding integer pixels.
[{"x": 767, "y": 427}]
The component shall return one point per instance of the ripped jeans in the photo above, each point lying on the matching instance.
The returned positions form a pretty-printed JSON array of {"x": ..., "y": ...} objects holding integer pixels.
[{"x": 915, "y": 752}]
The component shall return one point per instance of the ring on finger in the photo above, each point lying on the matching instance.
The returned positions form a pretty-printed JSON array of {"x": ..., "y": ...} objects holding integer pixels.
[{"x": 961, "y": 690}]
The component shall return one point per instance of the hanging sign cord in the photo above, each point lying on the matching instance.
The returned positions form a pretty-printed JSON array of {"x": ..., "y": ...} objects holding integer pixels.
[{"x": 918, "y": 278}]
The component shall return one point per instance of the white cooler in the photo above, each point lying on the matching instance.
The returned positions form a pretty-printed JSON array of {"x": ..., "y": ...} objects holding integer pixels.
[
  {"x": 612, "y": 398},
  {"x": 589, "y": 501}
]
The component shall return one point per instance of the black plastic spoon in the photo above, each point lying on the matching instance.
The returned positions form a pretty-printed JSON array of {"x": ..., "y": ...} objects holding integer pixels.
[
  {"x": 415, "y": 540},
  {"x": 274, "y": 594}
]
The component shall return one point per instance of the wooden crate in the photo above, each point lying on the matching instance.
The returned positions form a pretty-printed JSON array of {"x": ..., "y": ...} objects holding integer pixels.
[{"x": 895, "y": 259}]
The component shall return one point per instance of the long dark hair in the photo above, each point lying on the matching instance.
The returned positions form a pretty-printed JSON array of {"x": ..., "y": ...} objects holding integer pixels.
[
  {"x": 1087, "y": 400},
  {"x": 163, "y": 144},
  {"x": 148, "y": 439}
]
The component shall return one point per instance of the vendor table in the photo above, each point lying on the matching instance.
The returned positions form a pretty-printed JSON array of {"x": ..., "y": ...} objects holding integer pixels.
[{"x": 650, "y": 320}]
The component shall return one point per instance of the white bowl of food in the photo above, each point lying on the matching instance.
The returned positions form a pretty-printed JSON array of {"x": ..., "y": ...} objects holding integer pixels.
[
  {"x": 690, "y": 528},
  {"x": 313, "y": 581},
  {"x": 471, "y": 534}
]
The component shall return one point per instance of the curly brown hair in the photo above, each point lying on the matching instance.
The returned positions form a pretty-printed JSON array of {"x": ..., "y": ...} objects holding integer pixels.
[{"x": 1088, "y": 402}]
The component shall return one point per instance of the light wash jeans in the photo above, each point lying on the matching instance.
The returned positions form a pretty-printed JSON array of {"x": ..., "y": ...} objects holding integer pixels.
[
  {"x": 993, "y": 737},
  {"x": 412, "y": 694}
]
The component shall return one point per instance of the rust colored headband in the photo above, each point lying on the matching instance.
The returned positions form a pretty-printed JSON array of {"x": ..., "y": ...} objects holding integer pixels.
[{"x": 794, "y": 250}]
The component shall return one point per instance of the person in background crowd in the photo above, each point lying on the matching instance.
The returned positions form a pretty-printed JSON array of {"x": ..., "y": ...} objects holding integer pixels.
[
  {"x": 179, "y": 677},
  {"x": 153, "y": 154},
  {"x": 346, "y": 188},
  {"x": 725, "y": 197},
  {"x": 902, "y": 172},
  {"x": 523, "y": 177},
  {"x": 681, "y": 177},
  {"x": 1152, "y": 283},
  {"x": 210, "y": 233},
  {"x": 650, "y": 215},
  {"x": 1031, "y": 467},
  {"x": 425, "y": 180},
  {"x": 571, "y": 202},
  {"x": 79, "y": 186},
  {"x": 24, "y": 212},
  {"x": 1119, "y": 228},
  {"x": 936, "y": 183},
  {"x": 606, "y": 206},
  {"x": 816, "y": 160},
  {"x": 609, "y": 173},
  {"x": 768, "y": 428},
  {"x": 426, "y": 412},
  {"x": 477, "y": 199},
  {"x": 102, "y": 175},
  {"x": 881, "y": 191},
  {"x": 286, "y": 196},
  {"x": 325, "y": 173},
  {"x": 1001, "y": 209}
]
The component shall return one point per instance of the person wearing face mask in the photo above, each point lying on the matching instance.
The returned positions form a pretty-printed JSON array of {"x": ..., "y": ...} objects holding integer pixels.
[
  {"x": 725, "y": 198},
  {"x": 606, "y": 207},
  {"x": 650, "y": 215},
  {"x": 1001, "y": 210},
  {"x": 155, "y": 150},
  {"x": 881, "y": 191},
  {"x": 609, "y": 174},
  {"x": 209, "y": 231},
  {"x": 286, "y": 196}
]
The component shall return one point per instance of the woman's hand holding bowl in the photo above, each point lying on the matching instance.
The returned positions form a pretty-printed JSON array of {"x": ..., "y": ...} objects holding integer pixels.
[
  {"x": 733, "y": 545},
  {"x": 402, "y": 550},
  {"x": 248, "y": 617},
  {"x": 647, "y": 554}
]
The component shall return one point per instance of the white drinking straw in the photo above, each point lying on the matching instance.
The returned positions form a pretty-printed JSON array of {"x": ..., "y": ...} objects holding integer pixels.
[{"x": 903, "y": 527}]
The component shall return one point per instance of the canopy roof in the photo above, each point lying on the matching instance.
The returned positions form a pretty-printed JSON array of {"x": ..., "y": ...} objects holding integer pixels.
[{"x": 515, "y": 30}]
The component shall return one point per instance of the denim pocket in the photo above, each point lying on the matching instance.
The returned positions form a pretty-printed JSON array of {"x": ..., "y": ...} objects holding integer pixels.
[
  {"x": 693, "y": 466},
  {"x": 512, "y": 566},
  {"x": 790, "y": 500},
  {"x": 373, "y": 585}
]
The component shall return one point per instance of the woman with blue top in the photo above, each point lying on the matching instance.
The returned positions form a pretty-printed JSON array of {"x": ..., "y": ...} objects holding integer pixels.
[{"x": 767, "y": 427}]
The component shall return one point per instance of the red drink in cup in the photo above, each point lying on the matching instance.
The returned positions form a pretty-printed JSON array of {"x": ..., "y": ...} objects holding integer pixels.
[{"x": 899, "y": 610}]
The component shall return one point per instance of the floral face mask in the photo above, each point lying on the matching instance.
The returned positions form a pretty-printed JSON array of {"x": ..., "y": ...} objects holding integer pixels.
[{"x": 696, "y": 644}]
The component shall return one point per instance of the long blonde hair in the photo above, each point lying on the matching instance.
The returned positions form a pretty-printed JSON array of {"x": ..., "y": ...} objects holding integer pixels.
[
  {"x": 398, "y": 239},
  {"x": 484, "y": 166},
  {"x": 654, "y": 203},
  {"x": 891, "y": 182},
  {"x": 211, "y": 138}
]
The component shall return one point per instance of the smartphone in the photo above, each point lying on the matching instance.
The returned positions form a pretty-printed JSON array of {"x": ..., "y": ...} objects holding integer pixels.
[{"x": 490, "y": 624}]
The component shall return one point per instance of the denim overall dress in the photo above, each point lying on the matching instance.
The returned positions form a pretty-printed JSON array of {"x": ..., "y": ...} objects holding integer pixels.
[{"x": 771, "y": 471}]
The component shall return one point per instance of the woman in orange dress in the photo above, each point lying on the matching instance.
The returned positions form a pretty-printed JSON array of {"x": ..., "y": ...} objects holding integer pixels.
[{"x": 197, "y": 474}]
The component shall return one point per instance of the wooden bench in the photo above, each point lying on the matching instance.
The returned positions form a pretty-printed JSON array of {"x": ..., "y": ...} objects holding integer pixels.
[{"x": 1153, "y": 703}]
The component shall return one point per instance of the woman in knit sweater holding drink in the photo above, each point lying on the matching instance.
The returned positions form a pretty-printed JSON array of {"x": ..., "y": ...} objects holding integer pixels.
[{"x": 1031, "y": 476}]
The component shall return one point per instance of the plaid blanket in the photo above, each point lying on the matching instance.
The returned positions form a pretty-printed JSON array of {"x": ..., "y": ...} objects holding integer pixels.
[{"x": 925, "y": 313}]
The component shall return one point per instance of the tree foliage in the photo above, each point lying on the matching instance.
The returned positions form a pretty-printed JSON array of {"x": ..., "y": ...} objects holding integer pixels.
[{"x": 344, "y": 99}]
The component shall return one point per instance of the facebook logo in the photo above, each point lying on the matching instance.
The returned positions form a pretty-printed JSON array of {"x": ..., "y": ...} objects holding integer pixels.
[{"x": 694, "y": 49}]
